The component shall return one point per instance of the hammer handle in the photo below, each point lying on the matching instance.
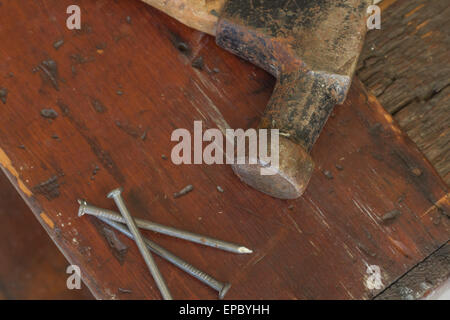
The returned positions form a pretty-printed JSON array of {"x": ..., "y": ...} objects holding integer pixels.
[{"x": 201, "y": 15}]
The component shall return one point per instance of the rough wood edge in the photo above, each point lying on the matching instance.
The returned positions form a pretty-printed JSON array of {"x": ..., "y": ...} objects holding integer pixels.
[{"x": 421, "y": 280}]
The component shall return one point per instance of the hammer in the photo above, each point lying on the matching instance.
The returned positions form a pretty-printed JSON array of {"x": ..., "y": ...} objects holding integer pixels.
[{"x": 310, "y": 46}]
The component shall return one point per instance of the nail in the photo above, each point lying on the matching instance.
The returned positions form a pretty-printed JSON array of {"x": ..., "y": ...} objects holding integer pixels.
[
  {"x": 159, "y": 228},
  {"x": 217, "y": 285},
  {"x": 116, "y": 195}
]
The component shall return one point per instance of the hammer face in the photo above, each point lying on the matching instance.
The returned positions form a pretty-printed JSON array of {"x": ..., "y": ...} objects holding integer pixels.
[{"x": 288, "y": 180}]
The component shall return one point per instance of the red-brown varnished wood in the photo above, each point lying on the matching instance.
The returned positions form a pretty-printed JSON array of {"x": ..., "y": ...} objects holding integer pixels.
[{"x": 323, "y": 245}]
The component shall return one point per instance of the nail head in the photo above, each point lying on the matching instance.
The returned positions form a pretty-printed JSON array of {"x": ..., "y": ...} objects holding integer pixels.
[
  {"x": 224, "y": 290},
  {"x": 115, "y": 192}
]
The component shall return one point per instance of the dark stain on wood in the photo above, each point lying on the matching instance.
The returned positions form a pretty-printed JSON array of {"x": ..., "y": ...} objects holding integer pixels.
[
  {"x": 365, "y": 249},
  {"x": 391, "y": 215},
  {"x": 94, "y": 172},
  {"x": 48, "y": 70},
  {"x": 3, "y": 95},
  {"x": 129, "y": 129},
  {"x": 58, "y": 44},
  {"x": 102, "y": 156},
  {"x": 98, "y": 105},
  {"x": 180, "y": 44},
  {"x": 49, "y": 188},
  {"x": 85, "y": 29},
  {"x": 198, "y": 63},
  {"x": 118, "y": 248}
]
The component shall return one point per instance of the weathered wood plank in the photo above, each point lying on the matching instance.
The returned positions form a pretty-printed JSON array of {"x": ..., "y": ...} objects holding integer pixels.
[
  {"x": 327, "y": 244},
  {"x": 406, "y": 65},
  {"x": 421, "y": 44},
  {"x": 422, "y": 279}
]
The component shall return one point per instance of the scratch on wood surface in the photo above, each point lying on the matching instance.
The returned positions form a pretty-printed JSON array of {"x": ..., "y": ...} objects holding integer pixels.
[
  {"x": 199, "y": 45},
  {"x": 366, "y": 210},
  {"x": 207, "y": 83},
  {"x": 261, "y": 254},
  {"x": 47, "y": 220},
  {"x": 271, "y": 220},
  {"x": 314, "y": 245},
  {"x": 348, "y": 251},
  {"x": 387, "y": 116},
  {"x": 320, "y": 213},
  {"x": 6, "y": 163},
  {"x": 426, "y": 35},
  {"x": 423, "y": 24},
  {"x": 401, "y": 247},
  {"x": 438, "y": 205},
  {"x": 213, "y": 112},
  {"x": 414, "y": 10},
  {"x": 346, "y": 290},
  {"x": 200, "y": 112},
  {"x": 295, "y": 224}
]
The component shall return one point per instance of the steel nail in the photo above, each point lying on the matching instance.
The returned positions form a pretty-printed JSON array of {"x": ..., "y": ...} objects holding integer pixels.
[
  {"x": 157, "y": 276},
  {"x": 217, "y": 285},
  {"x": 159, "y": 228}
]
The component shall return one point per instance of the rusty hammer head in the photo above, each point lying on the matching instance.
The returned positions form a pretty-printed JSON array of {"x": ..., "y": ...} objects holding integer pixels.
[{"x": 312, "y": 47}]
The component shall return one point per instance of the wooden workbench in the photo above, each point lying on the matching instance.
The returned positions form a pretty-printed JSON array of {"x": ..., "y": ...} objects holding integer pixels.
[{"x": 122, "y": 86}]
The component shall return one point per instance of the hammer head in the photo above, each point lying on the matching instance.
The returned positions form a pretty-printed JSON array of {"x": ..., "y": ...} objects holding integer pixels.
[
  {"x": 281, "y": 36},
  {"x": 312, "y": 47}
]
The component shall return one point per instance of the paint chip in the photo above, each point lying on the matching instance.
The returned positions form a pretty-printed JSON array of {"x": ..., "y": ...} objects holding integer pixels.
[
  {"x": 374, "y": 281},
  {"x": 47, "y": 220}
]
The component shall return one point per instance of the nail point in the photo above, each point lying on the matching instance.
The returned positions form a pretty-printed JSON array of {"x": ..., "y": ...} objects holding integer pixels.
[{"x": 245, "y": 250}]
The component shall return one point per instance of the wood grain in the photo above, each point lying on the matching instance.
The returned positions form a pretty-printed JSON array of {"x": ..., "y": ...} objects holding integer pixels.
[
  {"x": 406, "y": 66},
  {"x": 201, "y": 15},
  {"x": 423, "y": 279},
  {"x": 323, "y": 245}
]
